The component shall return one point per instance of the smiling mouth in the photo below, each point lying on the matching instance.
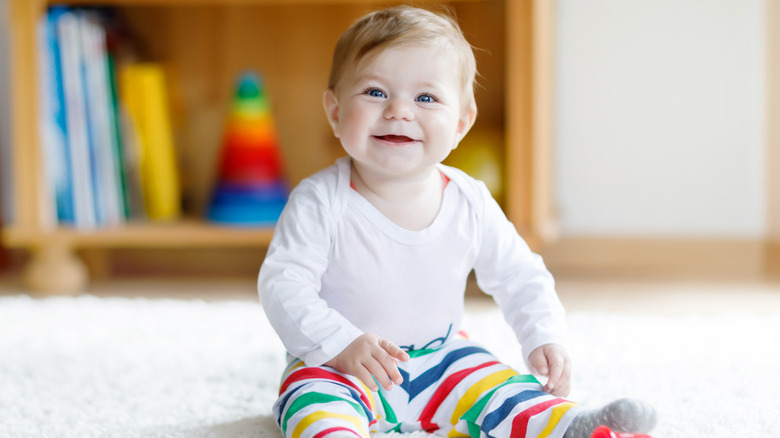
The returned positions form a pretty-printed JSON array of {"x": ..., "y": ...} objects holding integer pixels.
[{"x": 395, "y": 138}]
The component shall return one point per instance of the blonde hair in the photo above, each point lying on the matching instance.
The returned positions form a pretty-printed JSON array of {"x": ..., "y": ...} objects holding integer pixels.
[{"x": 402, "y": 25}]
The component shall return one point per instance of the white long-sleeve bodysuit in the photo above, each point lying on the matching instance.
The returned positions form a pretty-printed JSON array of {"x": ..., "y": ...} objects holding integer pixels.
[{"x": 337, "y": 268}]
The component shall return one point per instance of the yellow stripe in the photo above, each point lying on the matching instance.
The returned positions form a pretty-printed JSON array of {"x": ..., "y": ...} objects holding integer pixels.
[
  {"x": 555, "y": 417},
  {"x": 319, "y": 415},
  {"x": 369, "y": 394},
  {"x": 470, "y": 397},
  {"x": 294, "y": 367},
  {"x": 454, "y": 433},
  {"x": 289, "y": 371}
]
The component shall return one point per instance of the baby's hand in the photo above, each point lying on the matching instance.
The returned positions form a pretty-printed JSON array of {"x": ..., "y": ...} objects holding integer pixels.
[
  {"x": 552, "y": 361},
  {"x": 369, "y": 355}
]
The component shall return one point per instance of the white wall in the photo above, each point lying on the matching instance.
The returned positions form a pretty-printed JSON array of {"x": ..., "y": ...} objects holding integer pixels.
[{"x": 660, "y": 118}]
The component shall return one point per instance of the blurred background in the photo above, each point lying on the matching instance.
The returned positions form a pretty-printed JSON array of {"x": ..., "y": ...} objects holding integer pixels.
[
  {"x": 664, "y": 132},
  {"x": 664, "y": 159}
]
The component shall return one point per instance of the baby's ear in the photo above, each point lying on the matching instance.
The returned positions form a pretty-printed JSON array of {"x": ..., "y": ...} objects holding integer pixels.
[
  {"x": 331, "y": 104},
  {"x": 466, "y": 121}
]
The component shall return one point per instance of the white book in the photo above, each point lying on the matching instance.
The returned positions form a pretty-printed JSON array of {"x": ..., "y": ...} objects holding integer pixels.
[
  {"x": 81, "y": 164},
  {"x": 106, "y": 181}
]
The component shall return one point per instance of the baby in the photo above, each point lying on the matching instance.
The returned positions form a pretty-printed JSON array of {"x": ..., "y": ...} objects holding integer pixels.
[{"x": 365, "y": 277}]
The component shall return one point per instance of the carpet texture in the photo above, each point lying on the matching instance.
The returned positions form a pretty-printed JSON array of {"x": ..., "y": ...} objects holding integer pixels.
[{"x": 96, "y": 367}]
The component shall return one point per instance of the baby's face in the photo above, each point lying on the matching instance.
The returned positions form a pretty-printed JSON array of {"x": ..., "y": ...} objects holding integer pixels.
[{"x": 401, "y": 111}]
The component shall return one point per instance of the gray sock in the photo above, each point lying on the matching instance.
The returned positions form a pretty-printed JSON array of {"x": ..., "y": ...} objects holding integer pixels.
[{"x": 624, "y": 415}]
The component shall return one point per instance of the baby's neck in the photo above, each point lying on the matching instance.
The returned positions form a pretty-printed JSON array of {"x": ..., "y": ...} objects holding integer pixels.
[{"x": 410, "y": 203}]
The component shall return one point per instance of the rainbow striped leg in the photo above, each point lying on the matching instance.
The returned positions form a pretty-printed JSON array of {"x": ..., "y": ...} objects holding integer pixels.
[
  {"x": 457, "y": 390},
  {"x": 469, "y": 393},
  {"x": 519, "y": 409},
  {"x": 318, "y": 401}
]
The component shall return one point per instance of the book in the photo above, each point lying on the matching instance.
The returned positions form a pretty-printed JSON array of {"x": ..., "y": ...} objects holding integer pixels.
[
  {"x": 121, "y": 49},
  {"x": 120, "y": 154},
  {"x": 81, "y": 164},
  {"x": 106, "y": 182},
  {"x": 57, "y": 198},
  {"x": 144, "y": 94}
]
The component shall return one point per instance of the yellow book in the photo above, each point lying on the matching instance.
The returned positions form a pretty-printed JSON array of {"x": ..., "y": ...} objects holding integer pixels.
[{"x": 145, "y": 98}]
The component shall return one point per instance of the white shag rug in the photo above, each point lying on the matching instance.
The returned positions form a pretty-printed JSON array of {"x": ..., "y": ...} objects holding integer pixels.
[{"x": 110, "y": 367}]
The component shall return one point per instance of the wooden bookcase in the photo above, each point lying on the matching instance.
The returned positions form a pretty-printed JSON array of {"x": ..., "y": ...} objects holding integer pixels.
[{"x": 204, "y": 44}]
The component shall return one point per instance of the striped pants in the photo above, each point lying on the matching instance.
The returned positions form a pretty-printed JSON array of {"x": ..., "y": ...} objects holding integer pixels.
[{"x": 458, "y": 390}]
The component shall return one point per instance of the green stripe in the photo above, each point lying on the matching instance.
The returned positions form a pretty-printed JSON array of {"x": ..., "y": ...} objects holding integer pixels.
[
  {"x": 389, "y": 414},
  {"x": 312, "y": 398},
  {"x": 474, "y": 412},
  {"x": 521, "y": 378},
  {"x": 474, "y": 430},
  {"x": 418, "y": 353}
]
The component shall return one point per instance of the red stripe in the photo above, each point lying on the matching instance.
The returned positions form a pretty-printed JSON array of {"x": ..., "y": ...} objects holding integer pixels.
[
  {"x": 334, "y": 429},
  {"x": 520, "y": 423},
  {"x": 319, "y": 373},
  {"x": 442, "y": 392}
]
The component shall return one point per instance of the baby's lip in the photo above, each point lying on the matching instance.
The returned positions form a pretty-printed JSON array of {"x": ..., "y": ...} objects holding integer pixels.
[{"x": 392, "y": 138}]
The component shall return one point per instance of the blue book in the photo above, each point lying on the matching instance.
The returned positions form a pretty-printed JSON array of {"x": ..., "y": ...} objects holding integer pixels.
[
  {"x": 53, "y": 123},
  {"x": 67, "y": 26},
  {"x": 98, "y": 138}
]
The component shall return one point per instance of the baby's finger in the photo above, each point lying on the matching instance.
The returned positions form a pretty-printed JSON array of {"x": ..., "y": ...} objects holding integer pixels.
[
  {"x": 375, "y": 368},
  {"x": 563, "y": 386},
  {"x": 556, "y": 367},
  {"x": 394, "y": 350},
  {"x": 365, "y": 376},
  {"x": 538, "y": 361},
  {"x": 389, "y": 363}
]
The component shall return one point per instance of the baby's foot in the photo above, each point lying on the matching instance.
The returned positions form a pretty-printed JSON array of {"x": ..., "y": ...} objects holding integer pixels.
[{"x": 624, "y": 415}]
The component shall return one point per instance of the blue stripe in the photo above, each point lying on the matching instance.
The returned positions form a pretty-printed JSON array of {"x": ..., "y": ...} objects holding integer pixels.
[
  {"x": 494, "y": 418},
  {"x": 433, "y": 375}
]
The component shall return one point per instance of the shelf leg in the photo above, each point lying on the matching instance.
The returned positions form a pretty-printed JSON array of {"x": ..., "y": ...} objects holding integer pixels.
[{"x": 56, "y": 270}]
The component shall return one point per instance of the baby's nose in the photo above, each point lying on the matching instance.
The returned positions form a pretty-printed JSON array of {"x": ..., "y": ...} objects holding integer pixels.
[{"x": 398, "y": 109}]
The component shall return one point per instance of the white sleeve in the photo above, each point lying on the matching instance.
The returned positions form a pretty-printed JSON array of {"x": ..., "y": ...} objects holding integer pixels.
[
  {"x": 289, "y": 282},
  {"x": 518, "y": 280}
]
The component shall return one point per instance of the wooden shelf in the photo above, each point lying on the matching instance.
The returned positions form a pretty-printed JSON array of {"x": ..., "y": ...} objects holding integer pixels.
[
  {"x": 182, "y": 234},
  {"x": 205, "y": 44},
  {"x": 247, "y": 2}
]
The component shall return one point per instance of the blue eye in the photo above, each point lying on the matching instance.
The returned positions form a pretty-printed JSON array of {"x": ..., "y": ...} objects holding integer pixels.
[
  {"x": 426, "y": 98},
  {"x": 375, "y": 92}
]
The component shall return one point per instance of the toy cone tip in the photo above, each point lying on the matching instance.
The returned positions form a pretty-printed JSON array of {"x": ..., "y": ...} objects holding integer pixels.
[{"x": 248, "y": 85}]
